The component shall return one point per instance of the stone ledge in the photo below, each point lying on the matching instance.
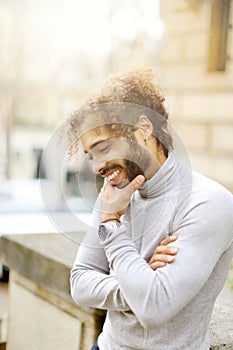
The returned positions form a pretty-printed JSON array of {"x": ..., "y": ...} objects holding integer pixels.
[
  {"x": 39, "y": 294},
  {"x": 45, "y": 259}
]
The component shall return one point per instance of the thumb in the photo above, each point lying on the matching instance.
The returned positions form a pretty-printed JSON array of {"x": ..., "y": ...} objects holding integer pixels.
[{"x": 137, "y": 182}]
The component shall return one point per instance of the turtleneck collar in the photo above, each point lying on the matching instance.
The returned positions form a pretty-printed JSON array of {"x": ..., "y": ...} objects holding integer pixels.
[{"x": 168, "y": 178}]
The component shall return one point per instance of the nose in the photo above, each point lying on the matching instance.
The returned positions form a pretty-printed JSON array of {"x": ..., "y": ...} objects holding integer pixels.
[{"x": 98, "y": 165}]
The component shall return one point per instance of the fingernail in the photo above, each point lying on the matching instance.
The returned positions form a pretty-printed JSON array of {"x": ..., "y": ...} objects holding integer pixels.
[
  {"x": 140, "y": 179},
  {"x": 174, "y": 250},
  {"x": 170, "y": 258}
]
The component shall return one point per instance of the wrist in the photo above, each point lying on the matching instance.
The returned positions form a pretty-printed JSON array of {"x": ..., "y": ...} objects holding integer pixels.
[
  {"x": 110, "y": 218},
  {"x": 107, "y": 228}
]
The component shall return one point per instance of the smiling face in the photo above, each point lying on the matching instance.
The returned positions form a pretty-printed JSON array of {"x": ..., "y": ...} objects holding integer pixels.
[{"x": 119, "y": 160}]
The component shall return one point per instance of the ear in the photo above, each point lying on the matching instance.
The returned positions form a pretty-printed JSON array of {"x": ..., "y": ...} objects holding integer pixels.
[{"x": 145, "y": 125}]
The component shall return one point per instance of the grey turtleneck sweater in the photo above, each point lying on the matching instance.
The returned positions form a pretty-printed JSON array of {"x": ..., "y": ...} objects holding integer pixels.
[{"x": 170, "y": 308}]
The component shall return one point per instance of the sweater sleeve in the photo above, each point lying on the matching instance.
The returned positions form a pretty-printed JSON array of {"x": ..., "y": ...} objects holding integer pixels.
[
  {"x": 91, "y": 283},
  {"x": 204, "y": 233}
]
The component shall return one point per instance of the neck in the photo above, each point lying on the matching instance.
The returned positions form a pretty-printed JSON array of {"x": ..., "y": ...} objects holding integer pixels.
[{"x": 157, "y": 160}]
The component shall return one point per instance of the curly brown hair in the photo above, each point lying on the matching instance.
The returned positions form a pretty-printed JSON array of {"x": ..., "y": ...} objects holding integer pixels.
[{"x": 131, "y": 93}]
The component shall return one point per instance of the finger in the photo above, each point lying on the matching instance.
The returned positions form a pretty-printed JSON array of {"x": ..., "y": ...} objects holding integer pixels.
[
  {"x": 157, "y": 265},
  {"x": 162, "y": 258},
  {"x": 108, "y": 192},
  {"x": 137, "y": 182},
  {"x": 166, "y": 250},
  {"x": 168, "y": 239},
  {"x": 105, "y": 185}
]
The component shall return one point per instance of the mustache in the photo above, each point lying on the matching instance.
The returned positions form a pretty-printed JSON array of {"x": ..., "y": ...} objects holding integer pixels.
[{"x": 110, "y": 168}]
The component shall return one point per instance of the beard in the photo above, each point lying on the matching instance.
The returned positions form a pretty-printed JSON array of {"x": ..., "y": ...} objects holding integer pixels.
[{"x": 137, "y": 162}]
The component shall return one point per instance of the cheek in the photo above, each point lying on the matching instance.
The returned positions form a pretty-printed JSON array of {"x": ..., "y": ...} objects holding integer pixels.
[{"x": 118, "y": 154}]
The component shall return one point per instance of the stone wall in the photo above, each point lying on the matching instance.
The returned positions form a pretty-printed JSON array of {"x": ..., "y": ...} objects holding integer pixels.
[
  {"x": 42, "y": 313},
  {"x": 201, "y": 102}
]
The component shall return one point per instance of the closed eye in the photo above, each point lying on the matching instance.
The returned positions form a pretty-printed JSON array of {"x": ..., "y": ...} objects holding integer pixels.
[
  {"x": 104, "y": 149},
  {"x": 101, "y": 147}
]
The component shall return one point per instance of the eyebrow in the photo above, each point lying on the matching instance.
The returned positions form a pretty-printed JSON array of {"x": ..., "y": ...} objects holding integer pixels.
[{"x": 95, "y": 144}]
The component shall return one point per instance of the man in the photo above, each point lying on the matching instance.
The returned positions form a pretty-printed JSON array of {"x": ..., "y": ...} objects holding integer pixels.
[{"x": 148, "y": 195}]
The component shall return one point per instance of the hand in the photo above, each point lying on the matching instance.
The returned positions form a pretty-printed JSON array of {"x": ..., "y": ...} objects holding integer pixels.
[
  {"x": 115, "y": 201},
  {"x": 163, "y": 254}
]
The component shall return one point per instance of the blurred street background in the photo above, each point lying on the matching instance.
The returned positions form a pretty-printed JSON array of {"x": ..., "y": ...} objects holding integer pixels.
[{"x": 54, "y": 53}]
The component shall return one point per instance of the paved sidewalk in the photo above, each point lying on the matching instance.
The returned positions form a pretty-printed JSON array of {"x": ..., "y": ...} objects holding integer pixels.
[{"x": 222, "y": 321}]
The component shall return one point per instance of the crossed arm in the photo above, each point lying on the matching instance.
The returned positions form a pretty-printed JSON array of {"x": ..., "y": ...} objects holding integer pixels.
[
  {"x": 91, "y": 283},
  {"x": 204, "y": 234}
]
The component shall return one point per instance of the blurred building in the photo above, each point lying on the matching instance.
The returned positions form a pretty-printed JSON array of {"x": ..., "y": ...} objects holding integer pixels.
[
  {"x": 196, "y": 61},
  {"x": 51, "y": 57}
]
